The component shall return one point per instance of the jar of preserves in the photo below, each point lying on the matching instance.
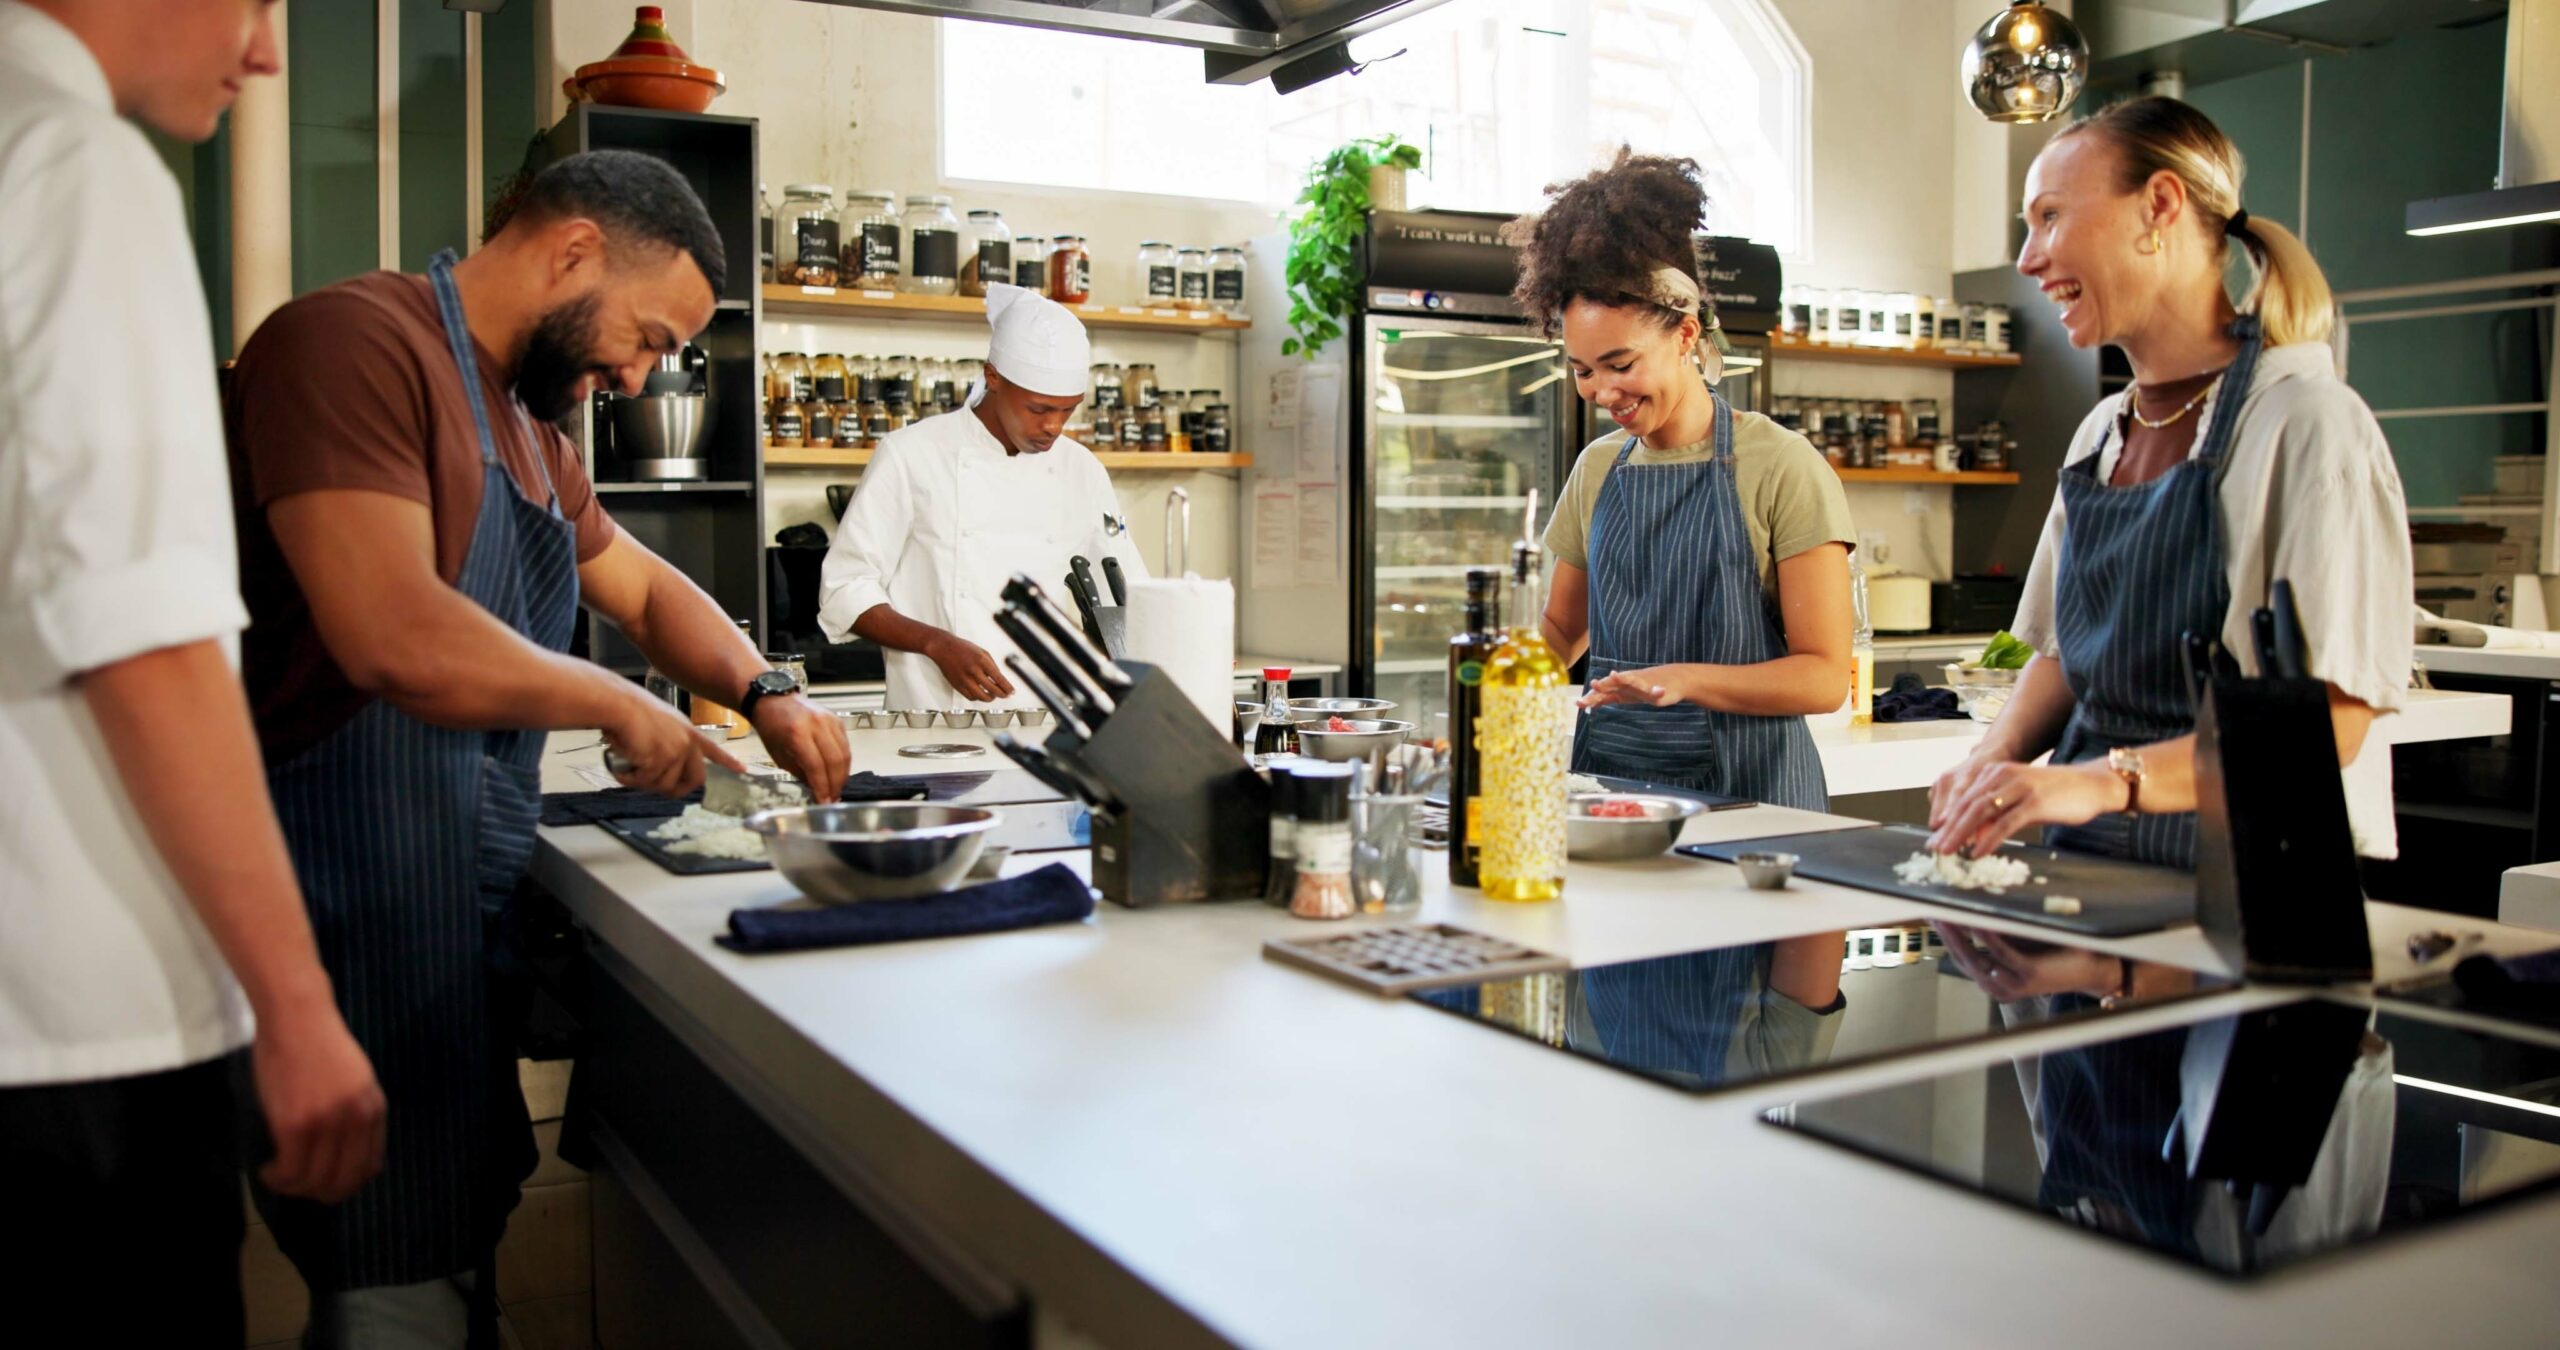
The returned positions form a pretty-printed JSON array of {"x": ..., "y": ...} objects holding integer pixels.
[
  {"x": 783, "y": 424},
  {"x": 866, "y": 378},
  {"x": 898, "y": 380},
  {"x": 792, "y": 378},
  {"x": 990, "y": 248},
  {"x": 933, "y": 246},
  {"x": 875, "y": 420},
  {"x": 848, "y": 415},
  {"x": 818, "y": 422},
  {"x": 1226, "y": 279},
  {"x": 872, "y": 253},
  {"x": 1162, "y": 286},
  {"x": 827, "y": 377},
  {"x": 809, "y": 251},
  {"x": 1191, "y": 273},
  {"x": 1139, "y": 389},
  {"x": 1070, "y": 270},
  {"x": 1031, "y": 263}
]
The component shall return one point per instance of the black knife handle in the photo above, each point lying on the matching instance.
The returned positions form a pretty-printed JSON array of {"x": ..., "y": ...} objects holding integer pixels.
[
  {"x": 1118, "y": 579},
  {"x": 1039, "y": 766},
  {"x": 1089, "y": 704},
  {"x": 1025, "y": 593},
  {"x": 2293, "y": 653},
  {"x": 1080, "y": 587}
]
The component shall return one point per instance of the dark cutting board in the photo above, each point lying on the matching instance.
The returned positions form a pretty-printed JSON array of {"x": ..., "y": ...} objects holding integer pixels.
[
  {"x": 1024, "y": 827},
  {"x": 2117, "y": 899}
]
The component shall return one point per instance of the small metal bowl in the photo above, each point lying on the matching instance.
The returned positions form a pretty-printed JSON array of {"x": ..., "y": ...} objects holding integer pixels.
[
  {"x": 908, "y": 717},
  {"x": 1365, "y": 738},
  {"x": 1031, "y": 717},
  {"x": 1305, "y": 710},
  {"x": 1249, "y": 718},
  {"x": 1617, "y": 838},
  {"x": 959, "y": 718},
  {"x": 1766, "y": 871},
  {"x": 860, "y": 719},
  {"x": 997, "y": 717},
  {"x": 873, "y": 850}
]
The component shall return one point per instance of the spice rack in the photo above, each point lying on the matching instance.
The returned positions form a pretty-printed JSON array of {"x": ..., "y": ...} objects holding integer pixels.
[
  {"x": 801, "y": 457},
  {"x": 832, "y": 301},
  {"x": 1781, "y": 345}
]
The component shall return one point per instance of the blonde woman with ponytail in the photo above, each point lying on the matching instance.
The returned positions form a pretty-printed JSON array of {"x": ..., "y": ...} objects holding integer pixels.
[{"x": 2238, "y": 457}]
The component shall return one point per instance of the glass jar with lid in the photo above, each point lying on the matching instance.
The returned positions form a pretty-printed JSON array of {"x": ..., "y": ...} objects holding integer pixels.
[
  {"x": 849, "y": 428},
  {"x": 898, "y": 380},
  {"x": 1108, "y": 382},
  {"x": 944, "y": 377},
  {"x": 1156, "y": 274},
  {"x": 990, "y": 249},
  {"x": 1996, "y": 330},
  {"x": 933, "y": 245},
  {"x": 783, "y": 424},
  {"x": 1177, "y": 419},
  {"x": 1031, "y": 263},
  {"x": 792, "y": 378},
  {"x": 1226, "y": 279},
  {"x": 1191, "y": 272},
  {"x": 873, "y": 250},
  {"x": 827, "y": 376},
  {"x": 1070, "y": 270},
  {"x": 818, "y": 422},
  {"x": 1977, "y": 327},
  {"x": 764, "y": 234},
  {"x": 1152, "y": 434},
  {"x": 1879, "y": 322},
  {"x": 875, "y": 419},
  {"x": 866, "y": 378},
  {"x": 1139, "y": 388},
  {"x": 808, "y": 250},
  {"x": 1214, "y": 437}
]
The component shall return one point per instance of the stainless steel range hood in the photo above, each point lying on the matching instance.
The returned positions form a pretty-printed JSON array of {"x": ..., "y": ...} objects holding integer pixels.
[
  {"x": 2528, "y": 187},
  {"x": 1295, "y": 42}
]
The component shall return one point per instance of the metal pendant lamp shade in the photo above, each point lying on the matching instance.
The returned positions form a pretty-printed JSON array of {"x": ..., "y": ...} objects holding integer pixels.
[{"x": 2026, "y": 65}]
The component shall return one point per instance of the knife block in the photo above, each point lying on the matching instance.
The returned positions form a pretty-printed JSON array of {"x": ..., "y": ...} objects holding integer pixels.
[
  {"x": 1191, "y": 820},
  {"x": 2277, "y": 890}
]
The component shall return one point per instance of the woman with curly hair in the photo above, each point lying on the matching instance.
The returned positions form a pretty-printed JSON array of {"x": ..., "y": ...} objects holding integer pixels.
[{"x": 1702, "y": 556}]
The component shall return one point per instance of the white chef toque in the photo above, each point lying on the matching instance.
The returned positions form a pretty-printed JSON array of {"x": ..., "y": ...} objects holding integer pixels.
[{"x": 1037, "y": 344}]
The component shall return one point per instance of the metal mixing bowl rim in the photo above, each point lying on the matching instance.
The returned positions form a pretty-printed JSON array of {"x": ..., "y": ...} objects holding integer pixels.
[
  {"x": 766, "y": 824},
  {"x": 1681, "y": 807},
  {"x": 1390, "y": 727}
]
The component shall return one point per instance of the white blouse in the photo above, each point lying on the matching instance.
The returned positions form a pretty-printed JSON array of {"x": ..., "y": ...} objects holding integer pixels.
[{"x": 2310, "y": 494}]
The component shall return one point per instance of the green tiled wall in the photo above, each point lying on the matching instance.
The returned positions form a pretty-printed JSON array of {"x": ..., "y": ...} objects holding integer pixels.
[{"x": 2416, "y": 117}]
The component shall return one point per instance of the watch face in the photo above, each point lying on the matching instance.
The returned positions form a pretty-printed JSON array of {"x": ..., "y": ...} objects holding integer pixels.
[{"x": 776, "y": 682}]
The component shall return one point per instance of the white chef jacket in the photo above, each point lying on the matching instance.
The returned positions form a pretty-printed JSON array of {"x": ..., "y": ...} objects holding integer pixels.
[
  {"x": 942, "y": 519},
  {"x": 2309, "y": 493},
  {"x": 115, "y": 540}
]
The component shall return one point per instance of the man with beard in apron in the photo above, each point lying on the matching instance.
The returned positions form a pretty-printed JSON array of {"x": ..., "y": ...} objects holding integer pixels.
[{"x": 416, "y": 544}]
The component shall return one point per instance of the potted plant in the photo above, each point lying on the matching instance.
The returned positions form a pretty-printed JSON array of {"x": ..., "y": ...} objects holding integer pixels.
[{"x": 1324, "y": 268}]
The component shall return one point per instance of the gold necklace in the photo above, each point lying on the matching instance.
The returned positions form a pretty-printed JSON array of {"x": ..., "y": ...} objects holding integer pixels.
[{"x": 2133, "y": 405}]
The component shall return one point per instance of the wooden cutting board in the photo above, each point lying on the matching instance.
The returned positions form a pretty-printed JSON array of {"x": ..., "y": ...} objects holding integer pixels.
[{"x": 2117, "y": 899}]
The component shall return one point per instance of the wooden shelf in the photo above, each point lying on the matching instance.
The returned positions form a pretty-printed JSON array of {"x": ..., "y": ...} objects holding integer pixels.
[
  {"x": 820, "y": 302},
  {"x": 1883, "y": 356},
  {"x": 1970, "y": 477},
  {"x": 782, "y": 457}
]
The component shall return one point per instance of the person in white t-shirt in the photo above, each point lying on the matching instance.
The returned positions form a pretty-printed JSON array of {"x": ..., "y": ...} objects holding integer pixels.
[
  {"x": 2237, "y": 459},
  {"x": 150, "y": 922}
]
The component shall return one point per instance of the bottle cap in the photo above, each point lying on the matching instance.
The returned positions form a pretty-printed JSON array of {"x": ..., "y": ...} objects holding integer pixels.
[
  {"x": 1280, "y": 673},
  {"x": 1324, "y": 792}
]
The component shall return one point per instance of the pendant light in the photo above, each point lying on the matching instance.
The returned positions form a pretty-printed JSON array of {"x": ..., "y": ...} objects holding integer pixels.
[{"x": 2026, "y": 65}]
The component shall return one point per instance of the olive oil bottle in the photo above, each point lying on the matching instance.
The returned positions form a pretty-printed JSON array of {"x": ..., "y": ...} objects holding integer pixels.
[
  {"x": 1468, "y": 652},
  {"x": 1523, "y": 735}
]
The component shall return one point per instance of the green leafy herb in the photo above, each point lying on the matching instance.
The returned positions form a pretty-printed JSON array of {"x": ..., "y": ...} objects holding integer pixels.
[
  {"x": 2005, "y": 652},
  {"x": 1324, "y": 266}
]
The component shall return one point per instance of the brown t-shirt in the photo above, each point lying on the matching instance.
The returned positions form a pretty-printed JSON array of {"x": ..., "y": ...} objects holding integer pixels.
[{"x": 353, "y": 387}]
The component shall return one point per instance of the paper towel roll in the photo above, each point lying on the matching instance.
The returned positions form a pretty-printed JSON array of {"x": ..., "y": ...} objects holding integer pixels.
[{"x": 1186, "y": 627}]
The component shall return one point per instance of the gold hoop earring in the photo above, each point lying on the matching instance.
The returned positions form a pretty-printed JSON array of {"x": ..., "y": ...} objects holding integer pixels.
[{"x": 2155, "y": 242}]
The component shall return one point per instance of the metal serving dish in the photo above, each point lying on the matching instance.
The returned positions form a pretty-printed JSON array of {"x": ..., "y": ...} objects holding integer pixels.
[
  {"x": 873, "y": 850},
  {"x": 1607, "y": 838},
  {"x": 1305, "y": 710},
  {"x": 1366, "y": 737}
]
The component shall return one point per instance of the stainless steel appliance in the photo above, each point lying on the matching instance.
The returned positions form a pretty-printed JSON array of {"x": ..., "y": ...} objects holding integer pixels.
[{"x": 656, "y": 437}]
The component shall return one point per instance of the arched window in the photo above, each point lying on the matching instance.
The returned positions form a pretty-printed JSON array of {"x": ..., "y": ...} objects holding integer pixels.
[{"x": 1502, "y": 96}]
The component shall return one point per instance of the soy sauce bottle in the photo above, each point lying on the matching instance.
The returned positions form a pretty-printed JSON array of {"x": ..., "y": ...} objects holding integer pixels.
[{"x": 1275, "y": 736}]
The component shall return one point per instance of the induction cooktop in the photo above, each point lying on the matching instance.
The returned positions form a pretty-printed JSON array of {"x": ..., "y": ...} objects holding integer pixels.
[
  {"x": 1710, "y": 1020},
  {"x": 2241, "y": 1143}
]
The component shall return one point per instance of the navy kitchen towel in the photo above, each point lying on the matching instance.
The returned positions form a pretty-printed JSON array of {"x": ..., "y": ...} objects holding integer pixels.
[
  {"x": 1909, "y": 700},
  {"x": 1053, "y": 894}
]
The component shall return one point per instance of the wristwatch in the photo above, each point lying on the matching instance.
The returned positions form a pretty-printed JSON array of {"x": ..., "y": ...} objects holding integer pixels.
[
  {"x": 2127, "y": 765},
  {"x": 769, "y": 683}
]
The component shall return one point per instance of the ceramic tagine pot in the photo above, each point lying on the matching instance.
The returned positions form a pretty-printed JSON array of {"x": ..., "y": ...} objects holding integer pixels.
[{"x": 647, "y": 71}]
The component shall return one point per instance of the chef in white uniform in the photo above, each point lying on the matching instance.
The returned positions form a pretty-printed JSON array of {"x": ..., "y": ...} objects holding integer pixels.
[{"x": 954, "y": 505}]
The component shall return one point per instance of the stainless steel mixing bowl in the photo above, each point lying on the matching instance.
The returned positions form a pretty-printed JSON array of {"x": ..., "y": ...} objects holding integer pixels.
[{"x": 873, "y": 850}]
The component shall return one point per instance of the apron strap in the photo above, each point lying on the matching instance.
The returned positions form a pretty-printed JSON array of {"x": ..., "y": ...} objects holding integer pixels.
[{"x": 457, "y": 336}]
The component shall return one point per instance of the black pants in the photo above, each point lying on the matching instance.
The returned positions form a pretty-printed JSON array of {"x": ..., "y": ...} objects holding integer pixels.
[{"x": 125, "y": 1197}]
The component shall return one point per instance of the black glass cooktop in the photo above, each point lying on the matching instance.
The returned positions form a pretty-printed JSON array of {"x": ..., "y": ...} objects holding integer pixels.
[
  {"x": 1710, "y": 1020},
  {"x": 2239, "y": 1143}
]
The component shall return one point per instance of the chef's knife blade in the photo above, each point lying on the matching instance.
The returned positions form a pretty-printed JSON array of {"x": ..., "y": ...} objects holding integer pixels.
[
  {"x": 1035, "y": 602},
  {"x": 1118, "y": 579},
  {"x": 1065, "y": 749},
  {"x": 1049, "y": 694},
  {"x": 725, "y": 791},
  {"x": 1090, "y": 703}
]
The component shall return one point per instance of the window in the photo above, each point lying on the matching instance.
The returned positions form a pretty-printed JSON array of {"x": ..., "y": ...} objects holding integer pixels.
[{"x": 1502, "y": 96}]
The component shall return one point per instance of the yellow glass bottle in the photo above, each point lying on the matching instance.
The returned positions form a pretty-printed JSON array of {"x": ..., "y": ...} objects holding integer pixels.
[{"x": 1524, "y": 736}]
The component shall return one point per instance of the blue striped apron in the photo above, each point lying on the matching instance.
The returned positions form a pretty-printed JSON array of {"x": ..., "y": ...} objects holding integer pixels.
[
  {"x": 1674, "y": 579},
  {"x": 409, "y": 839},
  {"x": 2142, "y": 568}
]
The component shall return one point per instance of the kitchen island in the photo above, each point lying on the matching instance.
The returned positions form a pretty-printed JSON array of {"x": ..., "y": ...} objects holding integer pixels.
[{"x": 1137, "y": 1130}]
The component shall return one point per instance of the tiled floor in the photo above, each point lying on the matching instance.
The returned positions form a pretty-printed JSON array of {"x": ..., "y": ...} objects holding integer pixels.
[{"x": 545, "y": 1294}]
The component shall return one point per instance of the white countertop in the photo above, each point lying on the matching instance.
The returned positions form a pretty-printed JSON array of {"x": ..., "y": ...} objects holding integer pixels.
[
  {"x": 1166, "y": 1139},
  {"x": 2525, "y": 665},
  {"x": 1886, "y": 756}
]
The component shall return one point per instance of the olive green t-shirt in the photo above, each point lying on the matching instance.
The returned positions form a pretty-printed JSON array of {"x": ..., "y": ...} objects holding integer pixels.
[{"x": 1790, "y": 497}]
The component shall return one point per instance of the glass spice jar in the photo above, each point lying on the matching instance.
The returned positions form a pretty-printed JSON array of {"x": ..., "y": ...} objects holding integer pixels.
[
  {"x": 1191, "y": 273},
  {"x": 1157, "y": 274},
  {"x": 783, "y": 424},
  {"x": 1070, "y": 270},
  {"x": 1152, "y": 433},
  {"x": 1322, "y": 835},
  {"x": 764, "y": 234},
  {"x": 1139, "y": 387},
  {"x": 872, "y": 255},
  {"x": 827, "y": 377},
  {"x": 849, "y": 427},
  {"x": 1107, "y": 384},
  {"x": 990, "y": 248},
  {"x": 792, "y": 377},
  {"x": 1031, "y": 263},
  {"x": 866, "y": 378},
  {"x": 1226, "y": 279},
  {"x": 818, "y": 422},
  {"x": 810, "y": 252},
  {"x": 933, "y": 246}
]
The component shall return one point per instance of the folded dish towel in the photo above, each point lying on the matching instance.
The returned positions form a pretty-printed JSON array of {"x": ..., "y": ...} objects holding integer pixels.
[
  {"x": 587, "y": 808},
  {"x": 1909, "y": 700},
  {"x": 1053, "y": 894}
]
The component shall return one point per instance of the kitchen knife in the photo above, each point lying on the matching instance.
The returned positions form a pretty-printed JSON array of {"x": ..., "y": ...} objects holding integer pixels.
[
  {"x": 1081, "y": 568},
  {"x": 1034, "y": 602},
  {"x": 1080, "y": 588},
  {"x": 727, "y": 792},
  {"x": 2262, "y": 640},
  {"x": 1065, "y": 749},
  {"x": 1090, "y": 703},
  {"x": 1039, "y": 766},
  {"x": 1118, "y": 579},
  {"x": 1049, "y": 695},
  {"x": 2293, "y": 655}
]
